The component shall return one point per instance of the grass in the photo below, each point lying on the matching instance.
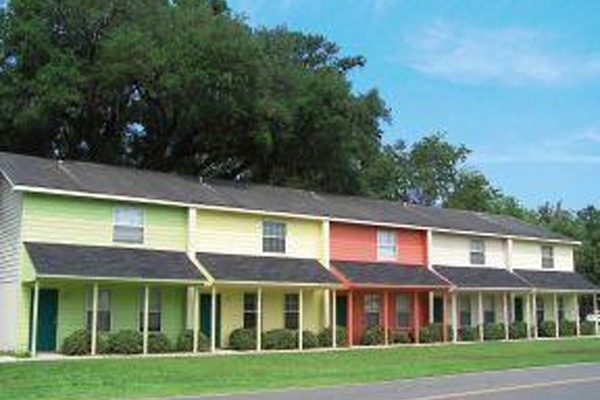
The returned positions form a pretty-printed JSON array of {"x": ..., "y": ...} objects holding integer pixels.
[{"x": 158, "y": 377}]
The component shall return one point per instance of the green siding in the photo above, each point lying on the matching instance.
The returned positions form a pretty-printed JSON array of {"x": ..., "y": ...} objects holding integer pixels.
[{"x": 61, "y": 219}]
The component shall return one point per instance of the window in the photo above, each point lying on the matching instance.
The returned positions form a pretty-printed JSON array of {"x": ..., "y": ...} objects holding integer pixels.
[
  {"x": 250, "y": 310},
  {"x": 465, "y": 311},
  {"x": 386, "y": 245},
  {"x": 154, "y": 310},
  {"x": 561, "y": 308},
  {"x": 547, "y": 257},
  {"x": 477, "y": 252},
  {"x": 291, "y": 311},
  {"x": 274, "y": 237},
  {"x": 372, "y": 310},
  {"x": 103, "y": 312},
  {"x": 403, "y": 310},
  {"x": 539, "y": 311},
  {"x": 128, "y": 225},
  {"x": 489, "y": 310}
]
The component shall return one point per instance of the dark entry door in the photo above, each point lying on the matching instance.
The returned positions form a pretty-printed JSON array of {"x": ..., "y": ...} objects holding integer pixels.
[
  {"x": 205, "y": 322},
  {"x": 47, "y": 320},
  {"x": 341, "y": 308},
  {"x": 519, "y": 309},
  {"x": 438, "y": 310}
]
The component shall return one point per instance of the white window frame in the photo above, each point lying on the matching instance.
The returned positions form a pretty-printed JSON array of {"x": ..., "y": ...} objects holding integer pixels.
[
  {"x": 477, "y": 249},
  {"x": 547, "y": 257},
  {"x": 249, "y": 311},
  {"x": 372, "y": 305},
  {"x": 293, "y": 312},
  {"x": 89, "y": 309},
  {"x": 154, "y": 308},
  {"x": 126, "y": 225},
  {"x": 268, "y": 235},
  {"x": 387, "y": 248},
  {"x": 404, "y": 299}
]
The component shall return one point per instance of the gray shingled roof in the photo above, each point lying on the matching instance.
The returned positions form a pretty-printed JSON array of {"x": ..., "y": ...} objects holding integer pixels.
[
  {"x": 238, "y": 268},
  {"x": 481, "y": 278},
  {"x": 110, "y": 180},
  {"x": 556, "y": 280},
  {"x": 387, "y": 274},
  {"x": 111, "y": 262}
]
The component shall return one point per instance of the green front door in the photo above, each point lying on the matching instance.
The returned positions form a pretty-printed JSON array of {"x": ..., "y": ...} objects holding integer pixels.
[
  {"x": 205, "y": 307},
  {"x": 341, "y": 308},
  {"x": 438, "y": 310},
  {"x": 47, "y": 320},
  {"x": 519, "y": 309}
]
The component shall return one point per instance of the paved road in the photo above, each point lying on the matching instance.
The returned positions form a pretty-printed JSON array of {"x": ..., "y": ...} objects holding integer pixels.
[{"x": 579, "y": 382}]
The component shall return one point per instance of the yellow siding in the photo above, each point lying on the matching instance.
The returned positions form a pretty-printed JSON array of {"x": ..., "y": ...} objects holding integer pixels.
[
  {"x": 235, "y": 233},
  {"x": 529, "y": 255},
  {"x": 59, "y": 219}
]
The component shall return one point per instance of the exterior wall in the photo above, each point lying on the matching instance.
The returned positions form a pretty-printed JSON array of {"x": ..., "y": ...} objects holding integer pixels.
[
  {"x": 474, "y": 300},
  {"x": 454, "y": 250},
  {"x": 235, "y": 233},
  {"x": 232, "y": 310},
  {"x": 528, "y": 255},
  {"x": 60, "y": 219},
  {"x": 10, "y": 231},
  {"x": 359, "y": 243}
]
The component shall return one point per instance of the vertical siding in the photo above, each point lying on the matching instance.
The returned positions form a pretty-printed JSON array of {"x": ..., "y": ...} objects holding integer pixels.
[
  {"x": 359, "y": 243},
  {"x": 454, "y": 250},
  {"x": 10, "y": 227},
  {"x": 60, "y": 219},
  {"x": 528, "y": 255},
  {"x": 235, "y": 233}
]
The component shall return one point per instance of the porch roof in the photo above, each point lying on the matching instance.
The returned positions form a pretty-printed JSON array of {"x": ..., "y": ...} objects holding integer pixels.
[
  {"x": 376, "y": 274},
  {"x": 557, "y": 280},
  {"x": 95, "y": 262},
  {"x": 483, "y": 278},
  {"x": 242, "y": 269}
]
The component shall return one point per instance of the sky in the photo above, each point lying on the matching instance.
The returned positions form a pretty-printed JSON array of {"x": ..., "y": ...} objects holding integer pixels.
[{"x": 517, "y": 82}]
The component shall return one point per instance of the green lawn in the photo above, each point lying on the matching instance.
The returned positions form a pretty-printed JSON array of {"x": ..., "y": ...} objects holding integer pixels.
[{"x": 156, "y": 377}]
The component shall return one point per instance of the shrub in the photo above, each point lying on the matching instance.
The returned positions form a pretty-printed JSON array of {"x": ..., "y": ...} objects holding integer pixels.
[
  {"x": 158, "y": 342},
  {"x": 399, "y": 337},
  {"x": 185, "y": 341},
  {"x": 588, "y": 328},
  {"x": 80, "y": 343},
  {"x": 567, "y": 328},
  {"x": 324, "y": 337},
  {"x": 547, "y": 329},
  {"x": 493, "y": 331},
  {"x": 125, "y": 342},
  {"x": 431, "y": 333},
  {"x": 280, "y": 339},
  {"x": 374, "y": 335},
  {"x": 243, "y": 339},
  {"x": 468, "y": 333},
  {"x": 518, "y": 330},
  {"x": 309, "y": 340}
]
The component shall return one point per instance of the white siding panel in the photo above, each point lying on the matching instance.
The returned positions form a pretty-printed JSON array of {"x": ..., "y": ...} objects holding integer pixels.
[
  {"x": 454, "y": 250},
  {"x": 528, "y": 255}
]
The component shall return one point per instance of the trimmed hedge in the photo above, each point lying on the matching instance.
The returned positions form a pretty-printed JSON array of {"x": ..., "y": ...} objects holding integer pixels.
[
  {"x": 185, "y": 341},
  {"x": 309, "y": 340},
  {"x": 158, "y": 342},
  {"x": 324, "y": 337},
  {"x": 373, "y": 336},
  {"x": 125, "y": 342},
  {"x": 432, "y": 333},
  {"x": 518, "y": 330},
  {"x": 588, "y": 328},
  {"x": 400, "y": 337},
  {"x": 493, "y": 331},
  {"x": 547, "y": 329},
  {"x": 468, "y": 333},
  {"x": 280, "y": 339},
  {"x": 567, "y": 328},
  {"x": 79, "y": 343},
  {"x": 243, "y": 339}
]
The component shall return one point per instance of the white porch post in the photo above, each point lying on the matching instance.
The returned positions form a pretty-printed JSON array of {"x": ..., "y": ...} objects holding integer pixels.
[
  {"x": 213, "y": 319},
  {"x": 577, "y": 319},
  {"x": 431, "y": 308},
  {"x": 527, "y": 315},
  {"x": 480, "y": 315},
  {"x": 146, "y": 318},
  {"x": 556, "y": 321},
  {"x": 505, "y": 315},
  {"x": 94, "y": 319},
  {"x": 596, "y": 325},
  {"x": 259, "y": 319},
  {"x": 301, "y": 319},
  {"x": 333, "y": 319},
  {"x": 533, "y": 310},
  {"x": 34, "y": 319},
  {"x": 196, "y": 318},
  {"x": 454, "y": 317}
]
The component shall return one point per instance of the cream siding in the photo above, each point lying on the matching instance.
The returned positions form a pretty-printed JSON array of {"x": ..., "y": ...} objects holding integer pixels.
[
  {"x": 454, "y": 250},
  {"x": 528, "y": 255},
  {"x": 10, "y": 231},
  {"x": 234, "y": 233}
]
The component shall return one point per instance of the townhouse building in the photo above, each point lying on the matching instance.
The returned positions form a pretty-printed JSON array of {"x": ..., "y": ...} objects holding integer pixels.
[{"x": 103, "y": 248}]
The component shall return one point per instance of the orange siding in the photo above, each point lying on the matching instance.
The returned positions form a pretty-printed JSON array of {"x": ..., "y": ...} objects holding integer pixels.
[{"x": 412, "y": 247}]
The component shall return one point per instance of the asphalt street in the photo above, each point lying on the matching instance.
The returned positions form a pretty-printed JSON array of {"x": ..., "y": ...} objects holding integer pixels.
[{"x": 578, "y": 381}]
